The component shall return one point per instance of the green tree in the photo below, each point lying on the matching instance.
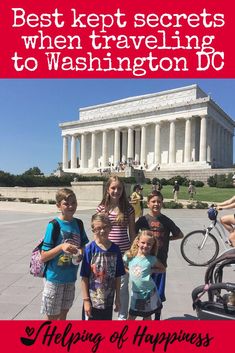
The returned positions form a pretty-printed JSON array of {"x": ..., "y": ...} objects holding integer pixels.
[
  {"x": 33, "y": 171},
  {"x": 6, "y": 179}
]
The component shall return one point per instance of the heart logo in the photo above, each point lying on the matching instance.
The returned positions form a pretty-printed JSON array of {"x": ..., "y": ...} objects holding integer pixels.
[
  {"x": 27, "y": 341},
  {"x": 29, "y": 331}
]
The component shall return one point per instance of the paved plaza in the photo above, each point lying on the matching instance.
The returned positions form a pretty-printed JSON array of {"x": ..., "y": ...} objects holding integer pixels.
[{"x": 22, "y": 225}]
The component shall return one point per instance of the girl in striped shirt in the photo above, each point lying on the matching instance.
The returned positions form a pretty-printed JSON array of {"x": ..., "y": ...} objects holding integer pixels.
[{"x": 122, "y": 217}]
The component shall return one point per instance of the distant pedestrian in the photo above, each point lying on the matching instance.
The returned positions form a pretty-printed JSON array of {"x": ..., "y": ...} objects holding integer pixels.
[
  {"x": 141, "y": 200},
  {"x": 157, "y": 186},
  {"x": 191, "y": 191},
  {"x": 176, "y": 189},
  {"x": 136, "y": 197}
]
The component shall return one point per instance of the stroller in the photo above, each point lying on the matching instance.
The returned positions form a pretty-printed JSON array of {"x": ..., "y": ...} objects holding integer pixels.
[{"x": 221, "y": 295}]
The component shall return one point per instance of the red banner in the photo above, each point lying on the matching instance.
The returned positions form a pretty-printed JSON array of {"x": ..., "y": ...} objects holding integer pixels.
[
  {"x": 137, "y": 336},
  {"x": 117, "y": 39}
]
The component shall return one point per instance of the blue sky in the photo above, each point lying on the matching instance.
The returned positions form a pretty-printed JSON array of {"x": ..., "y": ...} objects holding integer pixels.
[{"x": 31, "y": 110}]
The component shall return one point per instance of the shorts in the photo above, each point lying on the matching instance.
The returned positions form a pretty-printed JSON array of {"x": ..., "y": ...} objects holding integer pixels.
[
  {"x": 144, "y": 314},
  {"x": 101, "y": 314},
  {"x": 147, "y": 306},
  {"x": 57, "y": 297},
  {"x": 160, "y": 282}
]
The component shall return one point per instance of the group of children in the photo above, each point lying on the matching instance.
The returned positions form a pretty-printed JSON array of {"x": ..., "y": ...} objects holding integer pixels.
[{"x": 122, "y": 250}]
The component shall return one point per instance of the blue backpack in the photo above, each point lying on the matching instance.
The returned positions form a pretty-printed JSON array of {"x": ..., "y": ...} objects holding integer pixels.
[
  {"x": 212, "y": 213},
  {"x": 37, "y": 268}
]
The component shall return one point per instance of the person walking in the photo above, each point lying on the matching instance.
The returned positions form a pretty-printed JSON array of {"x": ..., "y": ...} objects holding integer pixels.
[
  {"x": 136, "y": 200},
  {"x": 176, "y": 189},
  {"x": 191, "y": 191}
]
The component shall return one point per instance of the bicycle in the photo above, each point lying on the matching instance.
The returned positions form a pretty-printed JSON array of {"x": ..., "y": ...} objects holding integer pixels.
[{"x": 201, "y": 247}]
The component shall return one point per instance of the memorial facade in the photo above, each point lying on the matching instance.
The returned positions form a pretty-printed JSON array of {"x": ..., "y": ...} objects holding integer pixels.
[{"x": 177, "y": 129}]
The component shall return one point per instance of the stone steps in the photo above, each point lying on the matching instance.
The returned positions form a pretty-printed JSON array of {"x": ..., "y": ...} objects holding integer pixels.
[
  {"x": 199, "y": 174},
  {"x": 193, "y": 174}
]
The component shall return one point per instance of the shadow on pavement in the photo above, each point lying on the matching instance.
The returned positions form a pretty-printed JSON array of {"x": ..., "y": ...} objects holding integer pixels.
[{"x": 185, "y": 317}]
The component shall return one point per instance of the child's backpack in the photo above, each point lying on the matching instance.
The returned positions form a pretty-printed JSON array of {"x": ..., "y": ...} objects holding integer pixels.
[{"x": 37, "y": 267}]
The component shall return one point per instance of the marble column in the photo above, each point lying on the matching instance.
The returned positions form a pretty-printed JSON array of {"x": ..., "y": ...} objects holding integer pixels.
[
  {"x": 73, "y": 152},
  {"x": 130, "y": 143},
  {"x": 65, "y": 152},
  {"x": 217, "y": 145},
  {"x": 104, "y": 149},
  {"x": 124, "y": 146},
  {"x": 157, "y": 144},
  {"x": 213, "y": 143},
  {"x": 116, "y": 147},
  {"x": 221, "y": 151},
  {"x": 137, "y": 145},
  {"x": 172, "y": 143},
  {"x": 202, "y": 152},
  {"x": 226, "y": 151},
  {"x": 93, "y": 150},
  {"x": 209, "y": 140},
  {"x": 143, "y": 145},
  {"x": 188, "y": 141},
  {"x": 230, "y": 148},
  {"x": 83, "y": 162}
]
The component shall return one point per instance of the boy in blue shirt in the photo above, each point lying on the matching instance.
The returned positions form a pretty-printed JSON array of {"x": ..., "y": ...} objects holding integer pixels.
[{"x": 63, "y": 258}]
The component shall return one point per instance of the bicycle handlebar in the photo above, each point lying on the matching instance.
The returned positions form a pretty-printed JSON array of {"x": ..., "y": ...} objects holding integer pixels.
[{"x": 230, "y": 287}]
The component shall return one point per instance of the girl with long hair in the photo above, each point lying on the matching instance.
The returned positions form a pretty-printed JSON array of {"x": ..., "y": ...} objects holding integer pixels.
[{"x": 141, "y": 262}]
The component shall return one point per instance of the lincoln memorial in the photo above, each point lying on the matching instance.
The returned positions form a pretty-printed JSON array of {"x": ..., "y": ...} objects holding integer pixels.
[{"x": 177, "y": 129}]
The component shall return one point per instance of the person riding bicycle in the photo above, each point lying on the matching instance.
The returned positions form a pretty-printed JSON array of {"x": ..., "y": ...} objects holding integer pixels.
[{"x": 228, "y": 221}]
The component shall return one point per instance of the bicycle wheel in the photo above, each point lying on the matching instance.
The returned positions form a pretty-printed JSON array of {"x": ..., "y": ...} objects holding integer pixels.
[{"x": 192, "y": 251}]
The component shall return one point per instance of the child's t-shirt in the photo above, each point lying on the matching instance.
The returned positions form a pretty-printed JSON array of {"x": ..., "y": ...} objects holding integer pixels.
[
  {"x": 60, "y": 269},
  {"x": 144, "y": 296},
  {"x": 140, "y": 270},
  {"x": 102, "y": 267},
  {"x": 119, "y": 231},
  {"x": 161, "y": 226}
]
